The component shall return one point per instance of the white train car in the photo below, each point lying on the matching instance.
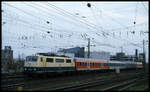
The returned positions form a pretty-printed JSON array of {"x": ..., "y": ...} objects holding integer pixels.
[
  {"x": 139, "y": 65},
  {"x": 117, "y": 64},
  {"x": 130, "y": 64}
]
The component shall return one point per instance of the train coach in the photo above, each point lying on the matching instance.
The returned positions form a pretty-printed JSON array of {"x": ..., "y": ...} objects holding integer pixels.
[
  {"x": 139, "y": 65},
  {"x": 90, "y": 64}
]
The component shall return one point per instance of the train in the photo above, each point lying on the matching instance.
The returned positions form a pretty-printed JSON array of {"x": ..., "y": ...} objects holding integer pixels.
[{"x": 52, "y": 64}]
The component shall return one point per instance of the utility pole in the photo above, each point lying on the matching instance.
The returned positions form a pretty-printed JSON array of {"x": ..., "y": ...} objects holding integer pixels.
[
  {"x": 121, "y": 49},
  {"x": 88, "y": 47},
  {"x": 136, "y": 55},
  {"x": 144, "y": 62}
]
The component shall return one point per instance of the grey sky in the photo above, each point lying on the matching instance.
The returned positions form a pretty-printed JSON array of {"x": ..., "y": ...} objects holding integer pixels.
[{"x": 69, "y": 22}]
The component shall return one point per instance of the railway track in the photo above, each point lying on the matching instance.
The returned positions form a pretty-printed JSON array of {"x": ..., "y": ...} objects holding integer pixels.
[
  {"x": 119, "y": 85},
  {"x": 11, "y": 81},
  {"x": 83, "y": 86},
  {"x": 122, "y": 86},
  {"x": 38, "y": 84},
  {"x": 12, "y": 76}
]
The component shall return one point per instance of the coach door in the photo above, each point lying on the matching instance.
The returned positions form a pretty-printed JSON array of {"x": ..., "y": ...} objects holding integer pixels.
[{"x": 88, "y": 65}]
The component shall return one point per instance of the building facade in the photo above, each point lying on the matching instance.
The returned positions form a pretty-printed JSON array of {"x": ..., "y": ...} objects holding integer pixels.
[
  {"x": 7, "y": 57},
  {"x": 77, "y": 51},
  {"x": 98, "y": 55}
]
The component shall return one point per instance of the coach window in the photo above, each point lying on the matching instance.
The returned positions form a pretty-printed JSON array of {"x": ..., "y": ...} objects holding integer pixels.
[
  {"x": 81, "y": 64},
  {"x": 78, "y": 63},
  {"x": 68, "y": 60},
  {"x": 60, "y": 60},
  {"x": 49, "y": 60},
  {"x": 85, "y": 64}
]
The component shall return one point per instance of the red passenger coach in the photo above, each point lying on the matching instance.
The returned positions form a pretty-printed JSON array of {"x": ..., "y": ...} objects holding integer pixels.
[
  {"x": 94, "y": 65},
  {"x": 90, "y": 64},
  {"x": 81, "y": 64}
]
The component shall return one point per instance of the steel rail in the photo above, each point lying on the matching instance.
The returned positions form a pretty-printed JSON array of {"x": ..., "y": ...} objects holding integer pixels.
[
  {"x": 124, "y": 85},
  {"x": 88, "y": 84}
]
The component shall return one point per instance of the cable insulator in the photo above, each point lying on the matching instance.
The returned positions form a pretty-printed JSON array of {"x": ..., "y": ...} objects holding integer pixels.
[
  {"x": 77, "y": 13},
  {"x": 89, "y": 5},
  {"x": 47, "y": 22},
  {"x": 134, "y": 22}
]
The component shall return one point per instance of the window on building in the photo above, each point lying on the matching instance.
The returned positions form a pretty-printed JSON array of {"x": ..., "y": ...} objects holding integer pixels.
[
  {"x": 49, "y": 60},
  {"x": 68, "y": 60},
  {"x": 60, "y": 60}
]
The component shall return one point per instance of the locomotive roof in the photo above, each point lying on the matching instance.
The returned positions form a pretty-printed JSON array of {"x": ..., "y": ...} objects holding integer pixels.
[
  {"x": 50, "y": 56},
  {"x": 131, "y": 62},
  {"x": 91, "y": 59}
]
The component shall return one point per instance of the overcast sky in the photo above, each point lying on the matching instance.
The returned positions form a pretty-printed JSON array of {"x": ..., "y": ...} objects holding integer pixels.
[{"x": 31, "y": 27}]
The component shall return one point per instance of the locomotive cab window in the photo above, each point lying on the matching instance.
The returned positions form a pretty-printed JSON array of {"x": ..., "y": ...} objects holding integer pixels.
[
  {"x": 60, "y": 60},
  {"x": 31, "y": 58},
  {"x": 41, "y": 59},
  {"x": 68, "y": 60},
  {"x": 49, "y": 60}
]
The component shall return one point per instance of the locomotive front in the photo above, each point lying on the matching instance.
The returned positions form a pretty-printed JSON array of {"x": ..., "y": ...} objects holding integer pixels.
[{"x": 30, "y": 64}]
